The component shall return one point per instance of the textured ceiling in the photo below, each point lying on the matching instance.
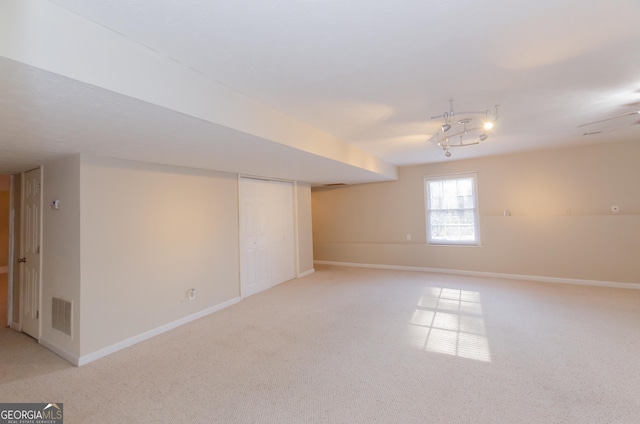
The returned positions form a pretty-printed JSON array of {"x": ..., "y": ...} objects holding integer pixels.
[{"x": 370, "y": 72}]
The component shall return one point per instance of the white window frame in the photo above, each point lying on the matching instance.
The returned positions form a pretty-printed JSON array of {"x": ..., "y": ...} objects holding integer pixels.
[{"x": 476, "y": 215}]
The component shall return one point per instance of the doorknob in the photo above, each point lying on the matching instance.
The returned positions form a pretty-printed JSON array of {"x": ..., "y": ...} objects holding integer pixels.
[{"x": 22, "y": 260}]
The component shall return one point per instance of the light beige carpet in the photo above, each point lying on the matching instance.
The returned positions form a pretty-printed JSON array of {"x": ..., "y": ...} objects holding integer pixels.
[{"x": 349, "y": 345}]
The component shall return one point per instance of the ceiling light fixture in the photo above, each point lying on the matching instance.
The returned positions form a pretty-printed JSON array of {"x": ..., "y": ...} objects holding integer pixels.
[{"x": 465, "y": 119}]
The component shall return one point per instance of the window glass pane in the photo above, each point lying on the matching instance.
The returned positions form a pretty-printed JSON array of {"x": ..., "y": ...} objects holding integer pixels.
[
  {"x": 451, "y": 213},
  {"x": 451, "y": 194},
  {"x": 458, "y": 225},
  {"x": 435, "y": 193}
]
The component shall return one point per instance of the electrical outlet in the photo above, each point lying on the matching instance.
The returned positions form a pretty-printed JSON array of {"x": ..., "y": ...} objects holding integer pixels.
[
  {"x": 192, "y": 294},
  {"x": 615, "y": 210}
]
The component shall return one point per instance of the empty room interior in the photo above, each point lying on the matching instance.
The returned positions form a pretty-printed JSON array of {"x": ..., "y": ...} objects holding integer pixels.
[{"x": 321, "y": 211}]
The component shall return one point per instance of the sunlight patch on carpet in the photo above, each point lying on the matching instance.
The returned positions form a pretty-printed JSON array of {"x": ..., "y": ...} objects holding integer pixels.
[{"x": 449, "y": 321}]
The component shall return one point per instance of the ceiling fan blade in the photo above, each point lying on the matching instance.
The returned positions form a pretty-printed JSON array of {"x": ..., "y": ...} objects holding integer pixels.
[{"x": 609, "y": 119}]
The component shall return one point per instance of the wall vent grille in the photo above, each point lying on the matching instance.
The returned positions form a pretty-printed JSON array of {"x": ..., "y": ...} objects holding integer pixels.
[{"x": 61, "y": 315}]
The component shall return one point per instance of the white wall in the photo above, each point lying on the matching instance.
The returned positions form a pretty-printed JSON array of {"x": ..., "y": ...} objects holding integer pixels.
[
  {"x": 149, "y": 233},
  {"x": 561, "y": 224},
  {"x": 61, "y": 250}
]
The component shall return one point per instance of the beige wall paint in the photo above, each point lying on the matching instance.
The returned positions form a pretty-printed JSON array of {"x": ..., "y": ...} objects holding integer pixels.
[
  {"x": 561, "y": 225},
  {"x": 149, "y": 233},
  {"x": 130, "y": 239},
  {"x": 304, "y": 223},
  {"x": 61, "y": 249}
]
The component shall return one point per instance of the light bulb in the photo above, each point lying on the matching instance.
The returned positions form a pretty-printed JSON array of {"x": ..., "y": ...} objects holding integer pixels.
[{"x": 488, "y": 125}]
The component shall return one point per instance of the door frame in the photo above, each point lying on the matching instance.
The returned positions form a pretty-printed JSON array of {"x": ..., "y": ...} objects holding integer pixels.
[
  {"x": 11, "y": 259},
  {"x": 296, "y": 250},
  {"x": 15, "y": 236}
]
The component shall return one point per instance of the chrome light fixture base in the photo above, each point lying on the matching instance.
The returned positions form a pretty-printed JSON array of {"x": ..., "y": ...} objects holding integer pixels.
[{"x": 463, "y": 128}]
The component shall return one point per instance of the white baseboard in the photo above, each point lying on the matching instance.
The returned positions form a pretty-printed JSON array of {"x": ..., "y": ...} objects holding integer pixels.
[
  {"x": 304, "y": 274},
  {"x": 15, "y": 325},
  {"x": 60, "y": 352},
  {"x": 85, "y": 359},
  {"x": 4, "y": 269},
  {"x": 542, "y": 279}
]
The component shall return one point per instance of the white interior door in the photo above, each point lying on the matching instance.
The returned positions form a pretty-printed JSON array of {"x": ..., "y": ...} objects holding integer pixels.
[
  {"x": 266, "y": 234},
  {"x": 282, "y": 230},
  {"x": 254, "y": 269},
  {"x": 30, "y": 310}
]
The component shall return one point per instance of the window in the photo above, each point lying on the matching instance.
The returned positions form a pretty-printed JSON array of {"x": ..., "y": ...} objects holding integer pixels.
[{"x": 452, "y": 210}]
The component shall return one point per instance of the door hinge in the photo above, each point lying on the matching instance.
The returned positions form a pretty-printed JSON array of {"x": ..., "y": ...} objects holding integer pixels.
[{"x": 37, "y": 314}]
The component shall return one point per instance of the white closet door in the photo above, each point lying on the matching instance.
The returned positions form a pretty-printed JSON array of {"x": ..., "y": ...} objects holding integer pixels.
[
  {"x": 266, "y": 234},
  {"x": 254, "y": 261},
  {"x": 282, "y": 230}
]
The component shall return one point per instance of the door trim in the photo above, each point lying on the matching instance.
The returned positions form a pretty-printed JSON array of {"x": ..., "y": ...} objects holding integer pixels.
[
  {"x": 15, "y": 233},
  {"x": 11, "y": 256}
]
